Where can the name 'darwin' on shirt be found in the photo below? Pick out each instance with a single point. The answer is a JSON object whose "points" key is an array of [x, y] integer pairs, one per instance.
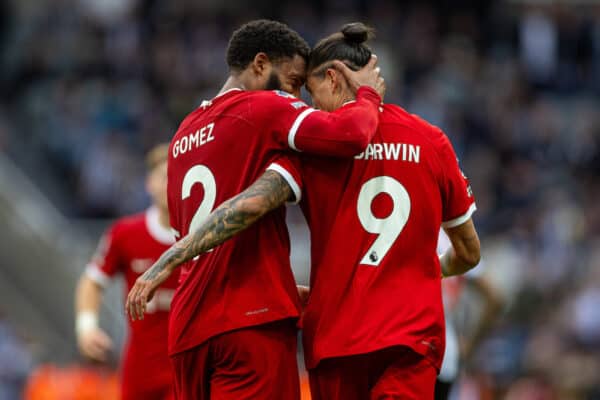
{"points": [[391, 151]]}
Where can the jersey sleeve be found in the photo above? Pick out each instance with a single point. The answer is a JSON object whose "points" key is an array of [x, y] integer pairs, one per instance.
{"points": [[106, 261], [343, 133], [458, 202], [289, 168]]}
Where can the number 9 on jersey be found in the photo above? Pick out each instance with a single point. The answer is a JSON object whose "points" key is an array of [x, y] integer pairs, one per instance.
{"points": [[388, 228]]}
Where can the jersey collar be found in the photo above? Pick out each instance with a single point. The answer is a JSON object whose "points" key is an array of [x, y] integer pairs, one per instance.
{"points": [[156, 230], [208, 103], [235, 89]]}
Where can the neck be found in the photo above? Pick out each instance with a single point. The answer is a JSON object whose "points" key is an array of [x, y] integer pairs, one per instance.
{"points": [[346, 97], [233, 82], [163, 218]]}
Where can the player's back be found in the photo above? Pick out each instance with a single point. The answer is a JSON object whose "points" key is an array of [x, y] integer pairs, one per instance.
{"points": [[218, 151], [374, 224]]}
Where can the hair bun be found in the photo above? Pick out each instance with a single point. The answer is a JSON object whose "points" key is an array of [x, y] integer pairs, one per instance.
{"points": [[357, 32]]}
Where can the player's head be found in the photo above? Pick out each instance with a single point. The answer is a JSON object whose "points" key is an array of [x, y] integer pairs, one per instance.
{"points": [[268, 55], [326, 84], [156, 180]]}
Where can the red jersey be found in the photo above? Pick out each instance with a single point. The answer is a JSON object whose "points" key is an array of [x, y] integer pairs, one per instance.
{"points": [[374, 223], [219, 150], [130, 247]]}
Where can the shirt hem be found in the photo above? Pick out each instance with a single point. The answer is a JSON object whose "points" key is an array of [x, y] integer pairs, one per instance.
{"points": [[425, 351], [186, 346]]}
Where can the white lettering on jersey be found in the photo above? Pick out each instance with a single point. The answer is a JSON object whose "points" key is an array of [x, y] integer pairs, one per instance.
{"points": [[377, 150], [391, 151], [194, 140], [414, 153]]}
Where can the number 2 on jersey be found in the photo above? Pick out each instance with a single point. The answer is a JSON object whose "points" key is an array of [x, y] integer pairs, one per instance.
{"points": [[388, 228], [200, 174]]}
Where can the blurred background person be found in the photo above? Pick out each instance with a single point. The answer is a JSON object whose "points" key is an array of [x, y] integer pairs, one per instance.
{"points": [[129, 248]]}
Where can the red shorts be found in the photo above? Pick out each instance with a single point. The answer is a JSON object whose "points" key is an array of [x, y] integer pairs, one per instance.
{"points": [[252, 363], [392, 373]]}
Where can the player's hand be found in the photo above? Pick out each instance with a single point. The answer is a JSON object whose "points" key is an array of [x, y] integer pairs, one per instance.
{"points": [[369, 75], [303, 293], [143, 291], [94, 344]]}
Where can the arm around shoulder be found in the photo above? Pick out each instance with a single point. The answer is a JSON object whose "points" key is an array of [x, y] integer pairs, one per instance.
{"points": [[344, 133]]}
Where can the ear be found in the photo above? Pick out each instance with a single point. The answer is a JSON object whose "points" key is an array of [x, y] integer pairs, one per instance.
{"points": [[260, 63], [336, 79]]}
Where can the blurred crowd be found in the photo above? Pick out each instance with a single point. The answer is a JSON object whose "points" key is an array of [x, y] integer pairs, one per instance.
{"points": [[16, 361], [88, 86]]}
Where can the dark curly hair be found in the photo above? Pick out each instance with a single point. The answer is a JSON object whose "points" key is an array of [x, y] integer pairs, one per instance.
{"points": [[275, 39], [347, 45]]}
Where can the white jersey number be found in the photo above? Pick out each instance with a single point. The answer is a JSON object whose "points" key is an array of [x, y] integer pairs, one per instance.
{"points": [[203, 175], [387, 228]]}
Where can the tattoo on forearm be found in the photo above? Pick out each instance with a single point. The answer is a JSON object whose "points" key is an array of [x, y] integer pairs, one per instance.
{"points": [[234, 215]]}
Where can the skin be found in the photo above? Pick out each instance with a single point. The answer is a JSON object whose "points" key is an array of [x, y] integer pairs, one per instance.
{"points": [[465, 252], [303, 293], [330, 88], [95, 343], [156, 186], [291, 73], [330, 91]]}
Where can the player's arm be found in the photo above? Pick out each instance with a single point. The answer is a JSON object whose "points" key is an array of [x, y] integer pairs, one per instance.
{"points": [[342, 134], [269, 192], [464, 253], [92, 341], [458, 205], [349, 131]]}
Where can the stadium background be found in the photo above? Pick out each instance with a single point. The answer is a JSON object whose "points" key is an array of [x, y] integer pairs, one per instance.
{"points": [[88, 86]]}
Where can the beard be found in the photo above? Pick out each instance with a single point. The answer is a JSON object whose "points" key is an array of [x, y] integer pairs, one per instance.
{"points": [[273, 83]]}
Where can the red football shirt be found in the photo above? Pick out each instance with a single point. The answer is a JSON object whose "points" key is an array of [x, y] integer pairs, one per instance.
{"points": [[374, 222], [219, 150], [129, 248]]}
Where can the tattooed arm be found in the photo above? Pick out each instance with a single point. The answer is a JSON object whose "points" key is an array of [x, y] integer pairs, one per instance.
{"points": [[233, 216]]}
